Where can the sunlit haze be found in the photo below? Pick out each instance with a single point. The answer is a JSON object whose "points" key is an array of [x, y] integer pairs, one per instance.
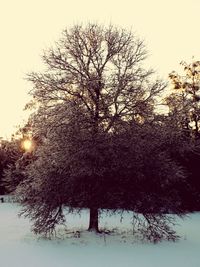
{"points": [[169, 28], [28, 145]]}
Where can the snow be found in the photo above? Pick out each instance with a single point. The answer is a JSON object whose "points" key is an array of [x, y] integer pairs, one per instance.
{"points": [[19, 247]]}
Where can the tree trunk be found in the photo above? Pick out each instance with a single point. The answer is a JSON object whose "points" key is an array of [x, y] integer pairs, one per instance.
{"points": [[94, 218]]}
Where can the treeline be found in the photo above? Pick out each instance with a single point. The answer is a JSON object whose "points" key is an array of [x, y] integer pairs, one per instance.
{"points": [[98, 142]]}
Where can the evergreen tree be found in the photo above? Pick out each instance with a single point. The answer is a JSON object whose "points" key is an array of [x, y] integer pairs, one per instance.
{"points": [[10, 152]]}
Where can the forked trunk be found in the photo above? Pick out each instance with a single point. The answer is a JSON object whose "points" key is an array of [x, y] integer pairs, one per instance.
{"points": [[94, 218]]}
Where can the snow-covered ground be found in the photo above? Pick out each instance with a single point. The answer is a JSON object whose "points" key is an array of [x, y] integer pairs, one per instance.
{"points": [[21, 248]]}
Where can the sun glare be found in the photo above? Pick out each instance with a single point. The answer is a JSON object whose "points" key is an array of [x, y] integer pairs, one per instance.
{"points": [[27, 145]]}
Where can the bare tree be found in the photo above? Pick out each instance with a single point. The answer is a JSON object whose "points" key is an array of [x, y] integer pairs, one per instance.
{"points": [[100, 70]]}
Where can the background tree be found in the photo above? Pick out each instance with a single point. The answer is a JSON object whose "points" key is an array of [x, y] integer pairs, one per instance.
{"points": [[184, 101], [10, 151], [184, 108], [19, 154]]}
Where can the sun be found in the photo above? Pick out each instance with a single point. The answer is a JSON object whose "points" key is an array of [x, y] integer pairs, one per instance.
{"points": [[27, 145]]}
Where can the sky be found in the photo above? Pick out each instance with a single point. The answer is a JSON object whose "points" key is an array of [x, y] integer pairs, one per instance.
{"points": [[169, 28]]}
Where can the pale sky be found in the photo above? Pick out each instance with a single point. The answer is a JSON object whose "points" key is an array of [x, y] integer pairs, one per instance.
{"points": [[171, 30]]}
